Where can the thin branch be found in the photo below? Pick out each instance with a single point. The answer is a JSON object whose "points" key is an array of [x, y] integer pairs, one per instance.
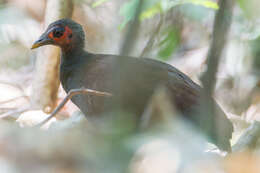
{"points": [[151, 41], [158, 110], [12, 112], [14, 85], [72, 93], [13, 99], [249, 138], [4, 109], [132, 32]]}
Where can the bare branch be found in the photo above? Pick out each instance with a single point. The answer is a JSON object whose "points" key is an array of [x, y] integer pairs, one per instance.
{"points": [[72, 93], [13, 85], [13, 112], [13, 99], [132, 32], [150, 43], [249, 138], [158, 109]]}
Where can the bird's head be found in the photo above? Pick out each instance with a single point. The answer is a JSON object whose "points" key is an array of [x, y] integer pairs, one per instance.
{"points": [[64, 33]]}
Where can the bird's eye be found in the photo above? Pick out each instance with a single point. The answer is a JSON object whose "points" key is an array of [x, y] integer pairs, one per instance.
{"points": [[58, 32]]}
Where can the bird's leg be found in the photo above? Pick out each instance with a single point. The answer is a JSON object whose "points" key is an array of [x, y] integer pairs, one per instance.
{"points": [[70, 94]]}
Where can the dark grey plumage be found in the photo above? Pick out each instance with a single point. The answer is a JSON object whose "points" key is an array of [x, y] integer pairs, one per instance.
{"points": [[139, 79]]}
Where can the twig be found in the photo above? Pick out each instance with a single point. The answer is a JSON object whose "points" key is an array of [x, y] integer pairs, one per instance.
{"points": [[13, 85], [16, 111], [150, 43], [158, 110], [13, 99], [132, 32], [249, 138], [4, 109], [72, 93]]}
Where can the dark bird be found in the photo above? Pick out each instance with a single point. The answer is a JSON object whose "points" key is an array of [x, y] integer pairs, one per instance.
{"points": [[139, 77]]}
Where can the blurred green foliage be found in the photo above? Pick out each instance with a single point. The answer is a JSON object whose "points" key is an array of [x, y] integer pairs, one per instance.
{"points": [[98, 2], [171, 36], [247, 6], [170, 41], [163, 6], [152, 7]]}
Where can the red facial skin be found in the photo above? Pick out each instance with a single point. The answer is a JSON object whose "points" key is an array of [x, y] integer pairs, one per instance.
{"points": [[64, 40]]}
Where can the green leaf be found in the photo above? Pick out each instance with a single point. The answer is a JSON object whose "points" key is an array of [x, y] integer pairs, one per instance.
{"points": [[204, 3], [169, 44], [98, 3], [150, 12]]}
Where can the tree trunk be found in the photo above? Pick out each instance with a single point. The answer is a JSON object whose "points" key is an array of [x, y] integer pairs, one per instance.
{"points": [[46, 79]]}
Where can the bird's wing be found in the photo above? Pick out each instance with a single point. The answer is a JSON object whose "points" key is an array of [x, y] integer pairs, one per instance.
{"points": [[139, 79]]}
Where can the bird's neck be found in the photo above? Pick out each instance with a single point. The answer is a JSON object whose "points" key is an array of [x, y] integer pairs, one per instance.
{"points": [[71, 62], [72, 56]]}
